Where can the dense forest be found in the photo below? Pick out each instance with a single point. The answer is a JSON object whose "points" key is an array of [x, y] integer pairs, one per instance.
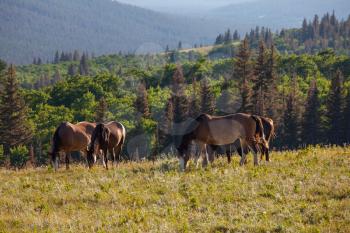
{"points": [[36, 28], [312, 37]]}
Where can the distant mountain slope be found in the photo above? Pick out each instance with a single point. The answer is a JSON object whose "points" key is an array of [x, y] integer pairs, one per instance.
{"points": [[276, 14], [31, 28]]}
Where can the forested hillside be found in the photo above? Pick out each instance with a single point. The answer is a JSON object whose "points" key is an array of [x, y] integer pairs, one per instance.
{"points": [[276, 14], [37, 28]]}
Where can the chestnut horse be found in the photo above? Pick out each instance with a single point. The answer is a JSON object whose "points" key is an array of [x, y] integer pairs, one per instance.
{"points": [[222, 130], [269, 131], [69, 137], [108, 137]]}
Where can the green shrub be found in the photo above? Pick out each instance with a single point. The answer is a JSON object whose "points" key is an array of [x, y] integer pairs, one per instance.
{"points": [[19, 156]]}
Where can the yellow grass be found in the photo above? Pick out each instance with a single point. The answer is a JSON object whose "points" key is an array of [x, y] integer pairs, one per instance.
{"points": [[302, 191]]}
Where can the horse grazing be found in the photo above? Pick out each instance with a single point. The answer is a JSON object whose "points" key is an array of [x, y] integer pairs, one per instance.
{"points": [[108, 137], [69, 137], [222, 130], [269, 132]]}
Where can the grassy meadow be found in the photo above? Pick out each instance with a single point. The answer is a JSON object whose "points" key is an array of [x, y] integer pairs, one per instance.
{"points": [[300, 191]]}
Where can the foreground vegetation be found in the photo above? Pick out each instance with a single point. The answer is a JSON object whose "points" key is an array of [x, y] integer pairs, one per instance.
{"points": [[299, 191]]}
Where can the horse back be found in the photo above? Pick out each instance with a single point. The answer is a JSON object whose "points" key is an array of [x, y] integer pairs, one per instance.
{"points": [[117, 131]]}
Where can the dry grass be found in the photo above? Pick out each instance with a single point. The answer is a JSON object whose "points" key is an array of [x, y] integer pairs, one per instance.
{"points": [[302, 191]]}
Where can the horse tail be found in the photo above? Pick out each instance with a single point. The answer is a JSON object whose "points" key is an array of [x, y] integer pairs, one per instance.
{"points": [[56, 140], [259, 127]]}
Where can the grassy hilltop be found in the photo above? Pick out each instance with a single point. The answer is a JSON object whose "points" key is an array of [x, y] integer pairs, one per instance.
{"points": [[301, 191]]}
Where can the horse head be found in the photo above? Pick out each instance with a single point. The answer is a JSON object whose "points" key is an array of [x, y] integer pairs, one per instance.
{"points": [[99, 140]]}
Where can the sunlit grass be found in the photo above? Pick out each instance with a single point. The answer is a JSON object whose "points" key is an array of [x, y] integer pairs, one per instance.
{"points": [[301, 191]]}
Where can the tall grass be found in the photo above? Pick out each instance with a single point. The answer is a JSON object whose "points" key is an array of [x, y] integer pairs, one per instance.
{"points": [[299, 191]]}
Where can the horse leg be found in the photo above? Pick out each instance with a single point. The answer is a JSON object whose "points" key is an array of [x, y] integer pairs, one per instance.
{"points": [[254, 148], [228, 154], [211, 152], [105, 158], [67, 160], [243, 155], [54, 158], [197, 154], [204, 154]]}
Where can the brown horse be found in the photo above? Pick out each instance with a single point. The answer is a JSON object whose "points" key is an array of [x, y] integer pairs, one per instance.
{"points": [[108, 137], [69, 137], [269, 131], [222, 130]]}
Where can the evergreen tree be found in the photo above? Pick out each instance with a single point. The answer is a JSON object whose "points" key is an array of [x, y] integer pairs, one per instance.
{"points": [[312, 116], [260, 85], [101, 111], [141, 103], [335, 107], [166, 125], [84, 66], [180, 102], [56, 77], [179, 46], [207, 98], [347, 118], [76, 55], [14, 126], [271, 92], [57, 58], [71, 70], [243, 72], [291, 119]]}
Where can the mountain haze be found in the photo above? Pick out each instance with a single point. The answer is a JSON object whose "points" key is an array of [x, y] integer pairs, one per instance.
{"points": [[37, 28]]}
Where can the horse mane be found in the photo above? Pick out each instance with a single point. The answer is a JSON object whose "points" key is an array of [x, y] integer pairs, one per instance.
{"points": [[259, 126], [103, 138], [268, 123]]}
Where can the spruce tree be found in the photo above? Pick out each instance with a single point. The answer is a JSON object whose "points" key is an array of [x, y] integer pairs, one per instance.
{"points": [[141, 103], [166, 125], [207, 98], [335, 107], [14, 125], [84, 66], [194, 107], [259, 82], [57, 58], [243, 72], [180, 102], [291, 119], [271, 92], [312, 116], [71, 70], [101, 111], [347, 118]]}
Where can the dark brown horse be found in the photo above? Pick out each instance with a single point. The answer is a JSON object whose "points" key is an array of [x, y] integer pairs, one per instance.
{"points": [[222, 130], [69, 137], [108, 137], [269, 131]]}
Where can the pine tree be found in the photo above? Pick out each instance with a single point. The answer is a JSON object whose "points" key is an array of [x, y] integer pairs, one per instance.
{"points": [[141, 103], [259, 82], [335, 107], [179, 46], [347, 118], [166, 125], [56, 77], [271, 92], [291, 119], [243, 72], [14, 126], [57, 58], [84, 66], [76, 55], [71, 70], [180, 102], [207, 98], [312, 116], [101, 111]]}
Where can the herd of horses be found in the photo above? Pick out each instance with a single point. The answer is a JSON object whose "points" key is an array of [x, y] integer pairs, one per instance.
{"points": [[247, 132]]}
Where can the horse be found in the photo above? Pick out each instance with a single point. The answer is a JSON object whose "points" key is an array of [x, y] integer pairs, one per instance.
{"points": [[109, 137], [70, 137], [269, 132], [222, 130]]}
